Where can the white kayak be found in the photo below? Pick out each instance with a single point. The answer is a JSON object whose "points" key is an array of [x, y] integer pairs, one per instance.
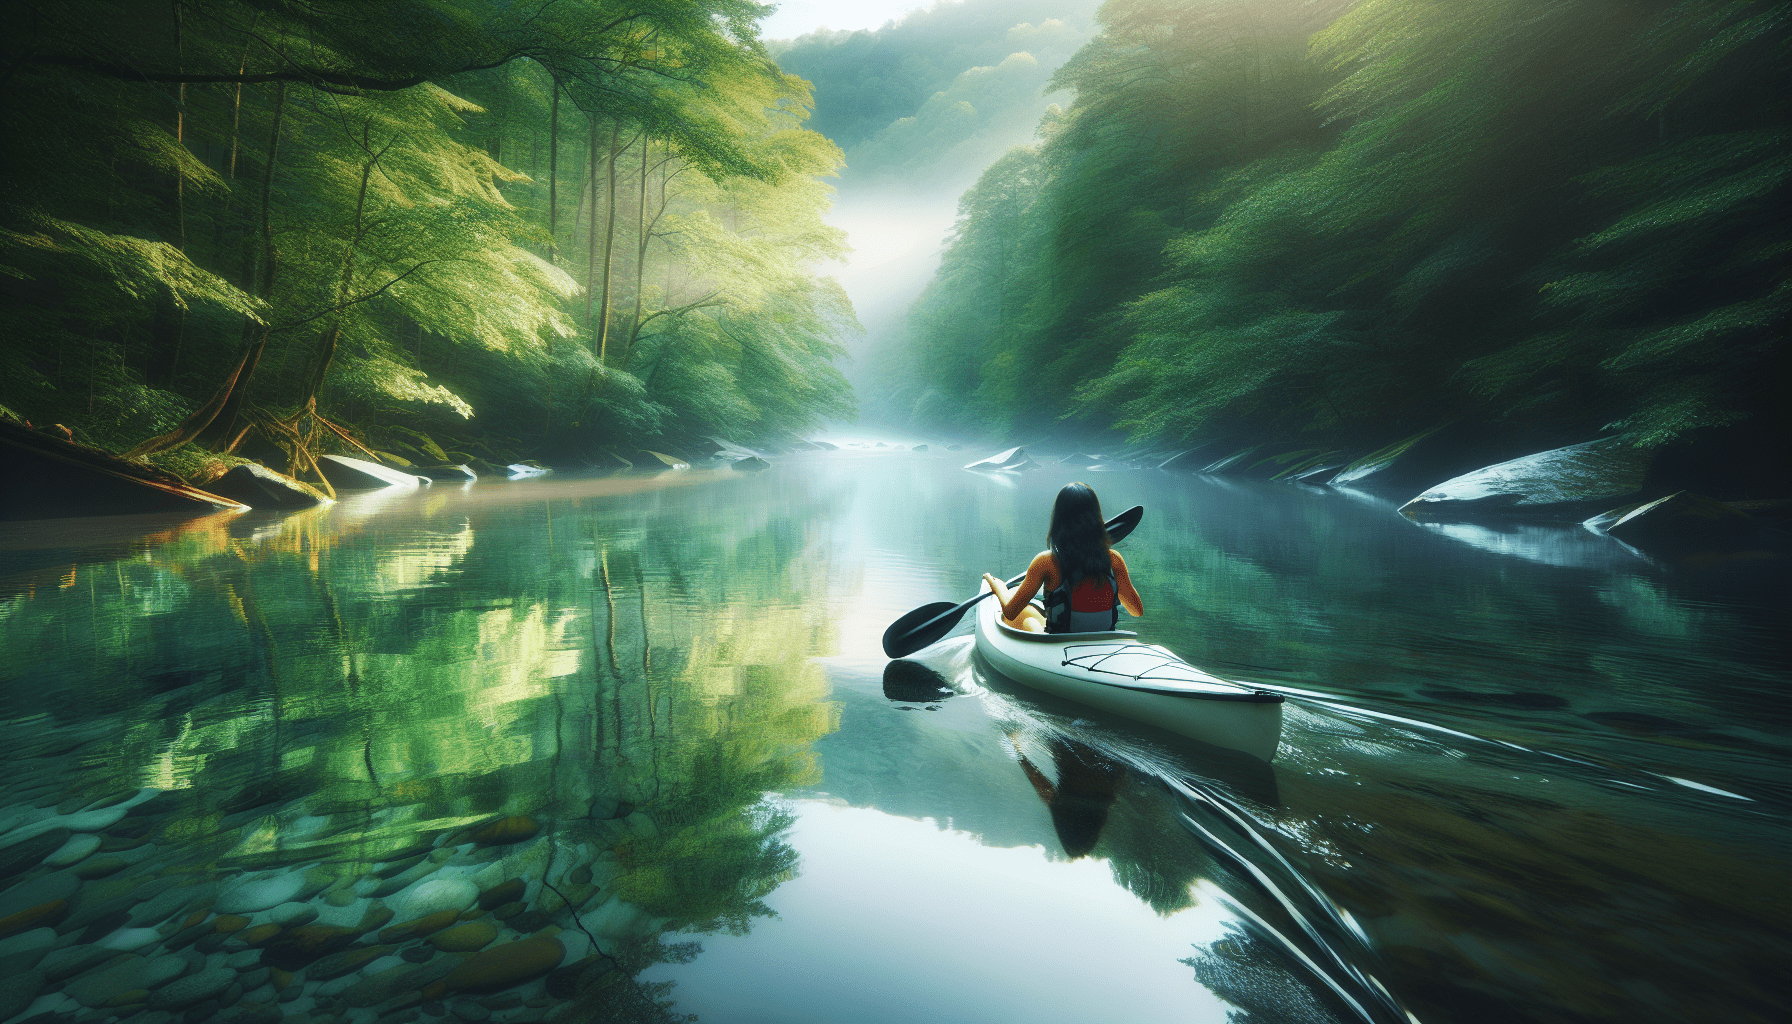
{"points": [[1113, 671]]}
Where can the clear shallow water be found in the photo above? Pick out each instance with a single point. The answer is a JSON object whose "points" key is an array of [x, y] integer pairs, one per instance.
{"points": [[1526, 774]]}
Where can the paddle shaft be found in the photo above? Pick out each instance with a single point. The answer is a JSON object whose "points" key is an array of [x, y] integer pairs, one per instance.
{"points": [[936, 626]]}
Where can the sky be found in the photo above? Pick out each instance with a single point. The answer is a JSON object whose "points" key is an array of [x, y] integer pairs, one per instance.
{"points": [[795, 17]]}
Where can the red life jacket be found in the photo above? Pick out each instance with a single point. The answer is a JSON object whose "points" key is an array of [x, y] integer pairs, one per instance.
{"points": [[1091, 605]]}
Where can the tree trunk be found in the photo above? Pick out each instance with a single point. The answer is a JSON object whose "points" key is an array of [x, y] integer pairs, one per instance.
{"points": [[603, 330], [634, 327], [591, 236], [554, 174]]}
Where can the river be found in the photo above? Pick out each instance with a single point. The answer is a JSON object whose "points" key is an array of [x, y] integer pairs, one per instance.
{"points": [[630, 749]]}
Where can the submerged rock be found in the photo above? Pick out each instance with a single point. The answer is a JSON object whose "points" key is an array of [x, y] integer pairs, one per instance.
{"points": [[458, 473], [1231, 463], [1565, 484], [1192, 460], [750, 464], [1684, 523], [346, 474], [1013, 460], [260, 487]]}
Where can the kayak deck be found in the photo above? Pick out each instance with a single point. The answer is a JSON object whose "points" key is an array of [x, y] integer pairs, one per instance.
{"points": [[1116, 672]]}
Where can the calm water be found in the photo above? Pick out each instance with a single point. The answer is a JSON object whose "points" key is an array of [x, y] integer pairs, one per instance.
{"points": [[1526, 775]]}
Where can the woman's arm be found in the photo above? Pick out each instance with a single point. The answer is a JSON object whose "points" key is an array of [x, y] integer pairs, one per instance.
{"points": [[1129, 598], [1036, 572]]}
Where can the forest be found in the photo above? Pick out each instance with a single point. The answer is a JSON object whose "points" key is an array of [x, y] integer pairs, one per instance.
{"points": [[1278, 220], [239, 229]]}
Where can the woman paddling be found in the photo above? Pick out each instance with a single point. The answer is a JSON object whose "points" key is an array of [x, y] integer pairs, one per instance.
{"points": [[1084, 578]]}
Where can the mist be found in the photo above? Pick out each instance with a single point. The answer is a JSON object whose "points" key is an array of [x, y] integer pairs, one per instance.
{"points": [[921, 105]]}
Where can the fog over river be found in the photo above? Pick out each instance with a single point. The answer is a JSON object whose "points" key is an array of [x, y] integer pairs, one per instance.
{"points": [[632, 742]]}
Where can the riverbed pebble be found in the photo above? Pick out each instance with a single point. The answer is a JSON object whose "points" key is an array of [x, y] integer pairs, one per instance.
{"points": [[35, 892], [437, 894], [293, 914], [255, 894], [126, 975], [194, 988], [74, 851], [465, 938], [127, 940]]}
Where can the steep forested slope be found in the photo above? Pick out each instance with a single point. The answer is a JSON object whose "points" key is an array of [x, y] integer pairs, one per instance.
{"points": [[260, 227], [1274, 217]]}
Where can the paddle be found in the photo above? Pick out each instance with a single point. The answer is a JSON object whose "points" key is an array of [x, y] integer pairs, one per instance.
{"points": [[929, 622]]}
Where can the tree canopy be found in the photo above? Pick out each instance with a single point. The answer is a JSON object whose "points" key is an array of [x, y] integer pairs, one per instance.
{"points": [[1279, 217]]}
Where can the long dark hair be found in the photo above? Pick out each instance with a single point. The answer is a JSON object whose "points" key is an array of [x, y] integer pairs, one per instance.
{"points": [[1078, 536]]}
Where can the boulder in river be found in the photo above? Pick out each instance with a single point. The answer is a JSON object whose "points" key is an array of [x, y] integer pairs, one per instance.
{"points": [[1191, 460], [1272, 467], [525, 470], [47, 477], [1229, 464], [260, 487], [829, 446], [1415, 463], [1317, 475], [346, 474], [916, 448], [647, 461], [750, 464], [1013, 460], [1564, 484], [459, 473], [1684, 523]]}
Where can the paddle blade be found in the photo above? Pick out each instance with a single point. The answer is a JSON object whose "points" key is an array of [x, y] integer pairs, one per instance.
{"points": [[918, 628], [1124, 523]]}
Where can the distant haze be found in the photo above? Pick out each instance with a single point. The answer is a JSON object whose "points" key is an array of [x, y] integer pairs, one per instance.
{"points": [[796, 17]]}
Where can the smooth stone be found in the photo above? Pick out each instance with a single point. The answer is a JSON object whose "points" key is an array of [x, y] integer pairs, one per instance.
{"points": [[506, 830], [72, 960], [418, 954], [614, 920], [376, 917], [530, 921], [293, 914], [19, 991], [35, 939], [507, 891], [204, 1011], [252, 1013], [255, 978], [1565, 484], [341, 897], [420, 927], [127, 940], [580, 875], [31, 917], [28, 852], [253, 895], [92, 821], [465, 938], [346, 962], [388, 985], [500, 967], [74, 851], [244, 960], [126, 975], [469, 1011], [379, 889], [211, 942], [509, 910], [230, 923], [401, 866], [438, 894], [259, 935], [171, 901], [37, 891], [259, 487], [194, 988], [233, 994], [299, 947], [100, 867]]}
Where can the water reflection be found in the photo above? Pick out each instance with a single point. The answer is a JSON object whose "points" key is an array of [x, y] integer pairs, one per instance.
{"points": [[592, 722]]}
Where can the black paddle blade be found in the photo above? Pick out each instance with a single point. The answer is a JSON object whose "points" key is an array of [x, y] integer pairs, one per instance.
{"points": [[1123, 524], [899, 641], [929, 622]]}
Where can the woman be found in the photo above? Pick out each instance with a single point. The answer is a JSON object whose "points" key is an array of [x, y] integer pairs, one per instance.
{"points": [[1084, 579]]}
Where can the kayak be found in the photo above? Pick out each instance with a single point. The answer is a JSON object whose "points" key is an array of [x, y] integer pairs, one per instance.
{"points": [[1113, 671]]}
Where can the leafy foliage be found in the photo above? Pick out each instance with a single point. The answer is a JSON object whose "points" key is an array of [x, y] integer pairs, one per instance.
{"points": [[1363, 218], [366, 207]]}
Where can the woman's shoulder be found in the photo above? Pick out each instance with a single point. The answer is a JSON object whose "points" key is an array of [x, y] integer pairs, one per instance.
{"points": [[1115, 558], [1043, 560]]}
